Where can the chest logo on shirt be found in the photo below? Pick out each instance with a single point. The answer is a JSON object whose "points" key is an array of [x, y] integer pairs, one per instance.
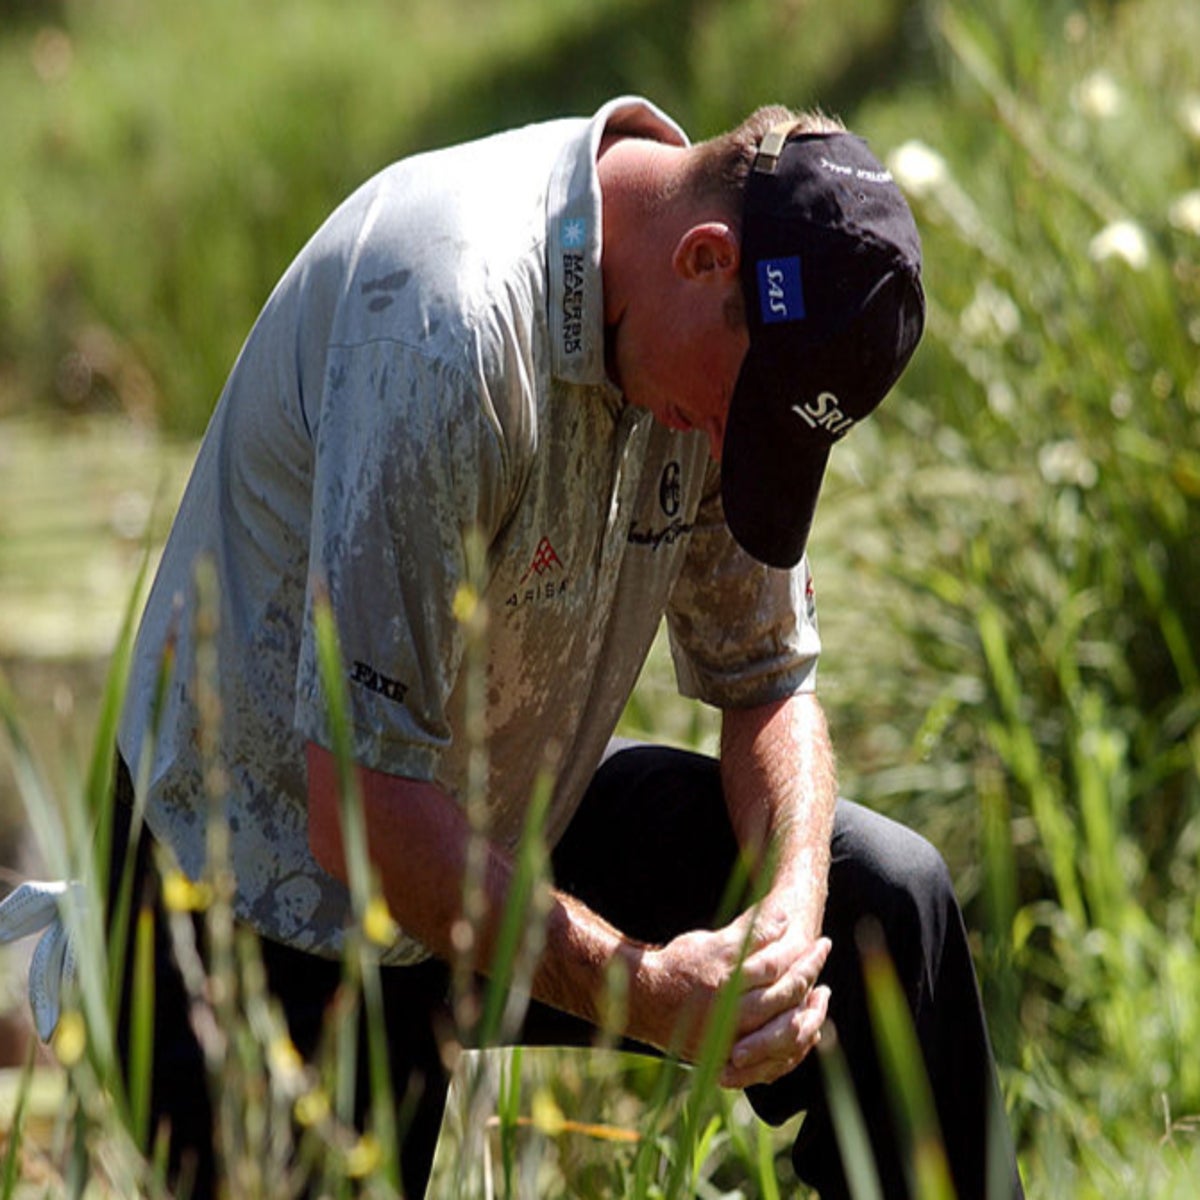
{"points": [[670, 498], [574, 234], [572, 302], [573, 238], [669, 491], [544, 579]]}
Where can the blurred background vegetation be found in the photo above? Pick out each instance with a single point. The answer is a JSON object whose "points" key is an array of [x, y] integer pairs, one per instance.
{"points": [[1008, 557]]}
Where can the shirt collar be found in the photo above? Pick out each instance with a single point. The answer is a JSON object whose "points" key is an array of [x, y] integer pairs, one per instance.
{"points": [[573, 236]]}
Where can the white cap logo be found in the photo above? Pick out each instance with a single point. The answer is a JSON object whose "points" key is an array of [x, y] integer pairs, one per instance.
{"points": [[824, 412]]}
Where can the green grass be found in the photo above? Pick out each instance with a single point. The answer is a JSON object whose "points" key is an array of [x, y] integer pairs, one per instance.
{"points": [[1007, 557]]}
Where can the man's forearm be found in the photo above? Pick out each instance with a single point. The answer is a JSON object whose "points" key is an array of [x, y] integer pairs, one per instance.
{"points": [[420, 840], [779, 777]]}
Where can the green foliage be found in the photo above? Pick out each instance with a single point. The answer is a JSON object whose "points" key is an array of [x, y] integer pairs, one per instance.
{"points": [[1026, 550], [162, 163], [1008, 555]]}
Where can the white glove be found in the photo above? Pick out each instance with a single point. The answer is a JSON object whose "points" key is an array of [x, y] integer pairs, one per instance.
{"points": [[32, 907]]}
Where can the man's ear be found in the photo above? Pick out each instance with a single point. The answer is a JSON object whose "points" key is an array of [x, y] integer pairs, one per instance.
{"points": [[708, 249]]}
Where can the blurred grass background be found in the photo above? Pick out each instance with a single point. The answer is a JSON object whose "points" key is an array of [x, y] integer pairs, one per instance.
{"points": [[1007, 558]]}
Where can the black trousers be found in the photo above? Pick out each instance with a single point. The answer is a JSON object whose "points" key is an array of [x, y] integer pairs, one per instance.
{"points": [[651, 849]]}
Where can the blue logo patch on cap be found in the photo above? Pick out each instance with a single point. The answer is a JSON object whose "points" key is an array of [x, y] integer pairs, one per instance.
{"points": [[780, 292]]}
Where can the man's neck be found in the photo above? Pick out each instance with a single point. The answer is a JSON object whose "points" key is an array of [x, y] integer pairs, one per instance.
{"points": [[640, 188]]}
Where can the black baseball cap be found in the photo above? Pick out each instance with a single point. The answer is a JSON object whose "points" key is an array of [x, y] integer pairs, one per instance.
{"points": [[831, 274]]}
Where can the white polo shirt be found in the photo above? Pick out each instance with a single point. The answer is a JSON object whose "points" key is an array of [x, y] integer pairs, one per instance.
{"points": [[429, 376]]}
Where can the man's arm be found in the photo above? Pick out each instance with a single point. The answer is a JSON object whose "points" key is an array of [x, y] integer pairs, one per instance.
{"points": [[779, 780], [418, 838]]}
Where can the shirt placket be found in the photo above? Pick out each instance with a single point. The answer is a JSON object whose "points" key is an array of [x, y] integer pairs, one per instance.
{"points": [[633, 427]]}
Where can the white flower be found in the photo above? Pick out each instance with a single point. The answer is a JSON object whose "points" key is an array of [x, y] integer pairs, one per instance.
{"points": [[917, 169], [1184, 212], [992, 315], [1001, 398], [1124, 240], [1189, 115], [1098, 96], [1066, 462]]}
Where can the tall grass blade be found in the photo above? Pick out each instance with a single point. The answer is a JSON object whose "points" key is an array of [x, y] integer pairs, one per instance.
{"points": [[15, 1133], [99, 785], [141, 1050], [854, 1145], [510, 1117], [903, 1069], [519, 941], [363, 893]]}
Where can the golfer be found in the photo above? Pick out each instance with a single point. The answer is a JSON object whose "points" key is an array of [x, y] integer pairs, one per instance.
{"points": [[585, 375]]}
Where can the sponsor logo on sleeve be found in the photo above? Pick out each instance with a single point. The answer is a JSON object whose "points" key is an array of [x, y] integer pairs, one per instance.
{"points": [[375, 681]]}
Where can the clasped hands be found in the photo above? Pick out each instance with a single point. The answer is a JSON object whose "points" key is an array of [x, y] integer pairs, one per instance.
{"points": [[780, 1008]]}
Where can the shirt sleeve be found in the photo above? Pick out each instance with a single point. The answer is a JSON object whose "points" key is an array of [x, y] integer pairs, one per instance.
{"points": [[741, 633], [410, 463]]}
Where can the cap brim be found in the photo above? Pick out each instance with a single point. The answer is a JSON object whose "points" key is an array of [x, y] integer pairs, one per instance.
{"points": [[770, 477]]}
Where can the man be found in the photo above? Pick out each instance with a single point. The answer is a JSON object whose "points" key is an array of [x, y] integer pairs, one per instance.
{"points": [[618, 362]]}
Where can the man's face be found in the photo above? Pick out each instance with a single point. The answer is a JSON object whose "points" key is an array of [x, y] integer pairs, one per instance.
{"points": [[679, 354]]}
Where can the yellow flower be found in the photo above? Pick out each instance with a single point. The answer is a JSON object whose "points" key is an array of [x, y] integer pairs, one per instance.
{"points": [[378, 924], [180, 894], [312, 1108], [547, 1116], [466, 602], [70, 1039], [364, 1157], [284, 1058]]}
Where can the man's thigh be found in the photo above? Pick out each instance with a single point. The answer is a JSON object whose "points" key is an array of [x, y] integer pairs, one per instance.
{"points": [[651, 848]]}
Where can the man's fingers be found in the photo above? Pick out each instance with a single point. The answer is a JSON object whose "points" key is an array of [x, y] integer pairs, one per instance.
{"points": [[779, 963], [779, 1046]]}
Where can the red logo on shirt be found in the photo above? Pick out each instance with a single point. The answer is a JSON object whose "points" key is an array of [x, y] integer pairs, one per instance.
{"points": [[544, 559], [545, 562]]}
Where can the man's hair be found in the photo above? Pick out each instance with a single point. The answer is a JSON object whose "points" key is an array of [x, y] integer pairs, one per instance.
{"points": [[719, 166]]}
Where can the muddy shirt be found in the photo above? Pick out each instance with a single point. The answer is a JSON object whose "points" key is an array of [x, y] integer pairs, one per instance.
{"points": [[420, 422]]}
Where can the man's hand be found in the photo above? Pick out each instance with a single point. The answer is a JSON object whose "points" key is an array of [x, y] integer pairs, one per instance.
{"points": [[418, 839], [780, 1009], [780, 786]]}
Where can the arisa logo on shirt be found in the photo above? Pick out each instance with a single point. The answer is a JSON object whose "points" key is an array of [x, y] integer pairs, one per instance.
{"points": [[544, 578], [780, 290]]}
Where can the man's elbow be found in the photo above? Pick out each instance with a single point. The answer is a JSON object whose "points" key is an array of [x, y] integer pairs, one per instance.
{"points": [[324, 820]]}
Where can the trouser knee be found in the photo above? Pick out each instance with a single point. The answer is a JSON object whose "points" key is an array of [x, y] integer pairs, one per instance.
{"points": [[886, 877]]}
